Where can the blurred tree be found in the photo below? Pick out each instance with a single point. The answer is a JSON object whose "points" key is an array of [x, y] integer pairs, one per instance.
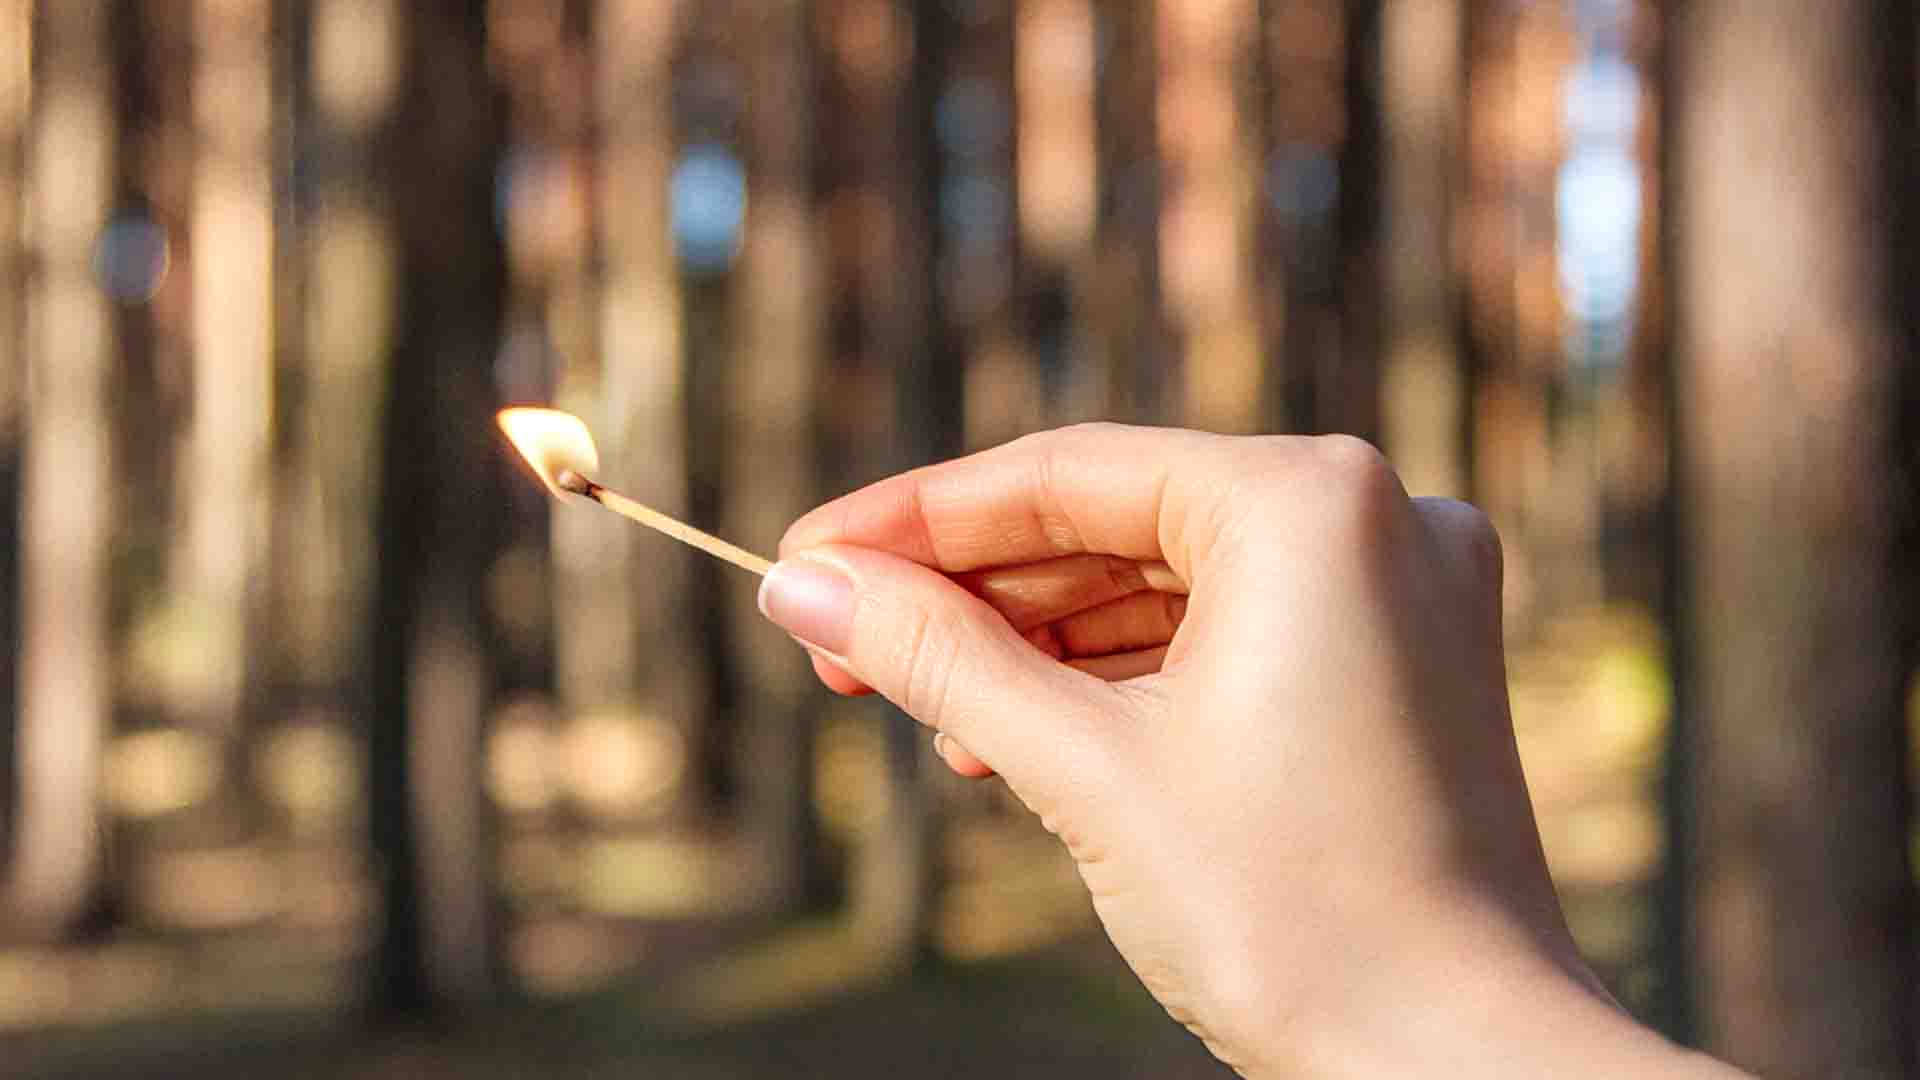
{"points": [[1791, 157], [1056, 60], [649, 610], [1320, 208], [221, 517], [980, 379], [1634, 439], [1349, 396], [439, 524], [1517, 57], [341, 275], [16, 97], [66, 486], [879, 307], [1206, 52], [1128, 313], [766, 427], [1423, 387]]}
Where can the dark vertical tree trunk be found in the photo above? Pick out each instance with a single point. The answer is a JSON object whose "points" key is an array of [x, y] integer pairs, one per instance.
{"points": [[1316, 209], [984, 272], [928, 400], [877, 317], [766, 425], [1128, 315], [1350, 395], [1056, 185], [16, 97], [339, 334], [1789, 346], [960, 97], [438, 522]]}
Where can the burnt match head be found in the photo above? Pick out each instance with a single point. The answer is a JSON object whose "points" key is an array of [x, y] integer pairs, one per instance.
{"points": [[568, 480]]}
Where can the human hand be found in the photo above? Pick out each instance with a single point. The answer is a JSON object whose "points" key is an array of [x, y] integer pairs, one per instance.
{"points": [[1294, 795]]}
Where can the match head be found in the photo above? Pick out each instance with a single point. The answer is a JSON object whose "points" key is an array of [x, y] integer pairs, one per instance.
{"points": [[556, 445], [568, 480]]}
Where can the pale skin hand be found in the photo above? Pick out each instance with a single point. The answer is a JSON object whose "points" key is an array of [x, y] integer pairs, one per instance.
{"points": [[1294, 796]]}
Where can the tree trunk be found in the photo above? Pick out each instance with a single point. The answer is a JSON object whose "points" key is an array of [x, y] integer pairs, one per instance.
{"points": [[66, 487], [441, 489], [1129, 315], [345, 275], [878, 317], [1423, 385], [1207, 142], [1056, 180], [641, 649], [1349, 396], [16, 97], [766, 423], [223, 471], [1788, 354]]}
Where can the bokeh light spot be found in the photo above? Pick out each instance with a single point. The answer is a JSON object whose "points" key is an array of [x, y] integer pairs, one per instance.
{"points": [[131, 257], [709, 207]]}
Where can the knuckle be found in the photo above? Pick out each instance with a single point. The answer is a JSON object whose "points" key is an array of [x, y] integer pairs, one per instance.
{"points": [[1087, 428], [1072, 435], [1254, 469], [1474, 533], [1351, 458], [1364, 499], [1483, 541]]}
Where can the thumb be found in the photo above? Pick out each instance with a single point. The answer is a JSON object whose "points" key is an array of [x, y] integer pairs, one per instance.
{"points": [[948, 659]]}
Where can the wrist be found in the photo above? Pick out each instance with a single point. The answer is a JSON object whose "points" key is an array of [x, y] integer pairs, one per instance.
{"points": [[1477, 1005]]}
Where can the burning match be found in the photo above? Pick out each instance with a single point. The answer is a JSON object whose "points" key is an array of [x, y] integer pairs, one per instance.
{"points": [[561, 451]]}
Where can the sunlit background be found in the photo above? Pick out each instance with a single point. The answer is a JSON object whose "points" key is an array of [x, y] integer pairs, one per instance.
{"points": [[331, 747]]}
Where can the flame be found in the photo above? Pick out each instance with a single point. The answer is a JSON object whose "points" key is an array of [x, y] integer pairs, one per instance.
{"points": [[551, 441]]}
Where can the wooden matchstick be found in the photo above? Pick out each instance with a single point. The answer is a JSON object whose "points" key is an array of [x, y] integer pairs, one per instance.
{"points": [[1158, 575], [653, 519]]}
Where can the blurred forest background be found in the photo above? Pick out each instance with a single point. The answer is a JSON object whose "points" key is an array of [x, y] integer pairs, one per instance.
{"points": [[329, 747]]}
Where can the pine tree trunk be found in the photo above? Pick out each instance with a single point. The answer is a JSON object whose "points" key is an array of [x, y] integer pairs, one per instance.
{"points": [[876, 79], [1128, 311], [16, 97], [1423, 384], [344, 307], [441, 488], [223, 472], [1211, 178], [767, 427], [1788, 354], [64, 694], [1056, 181]]}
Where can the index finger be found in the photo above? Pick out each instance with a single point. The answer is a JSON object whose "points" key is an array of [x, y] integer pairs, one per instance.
{"points": [[1098, 488]]}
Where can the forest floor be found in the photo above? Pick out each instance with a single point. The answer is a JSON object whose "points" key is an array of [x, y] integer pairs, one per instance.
{"points": [[1068, 1011], [1590, 704]]}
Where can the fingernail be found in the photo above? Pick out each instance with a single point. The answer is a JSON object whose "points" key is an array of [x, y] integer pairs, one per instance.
{"points": [[940, 744], [811, 601]]}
